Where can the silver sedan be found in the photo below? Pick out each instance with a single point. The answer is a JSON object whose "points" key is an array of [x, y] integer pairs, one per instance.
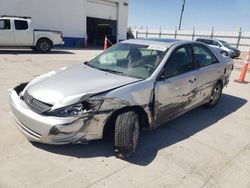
{"points": [[134, 85]]}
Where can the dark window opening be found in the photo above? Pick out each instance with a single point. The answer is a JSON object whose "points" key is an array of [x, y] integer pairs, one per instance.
{"points": [[203, 57], [180, 62], [21, 25]]}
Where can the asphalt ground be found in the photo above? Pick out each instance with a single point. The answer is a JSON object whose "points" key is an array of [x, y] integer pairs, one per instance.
{"points": [[202, 148]]}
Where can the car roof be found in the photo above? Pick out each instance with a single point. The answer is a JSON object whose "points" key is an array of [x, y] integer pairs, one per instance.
{"points": [[14, 17], [165, 42], [213, 39]]}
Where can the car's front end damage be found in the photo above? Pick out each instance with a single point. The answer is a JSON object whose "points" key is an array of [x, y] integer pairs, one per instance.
{"points": [[80, 124], [76, 117]]}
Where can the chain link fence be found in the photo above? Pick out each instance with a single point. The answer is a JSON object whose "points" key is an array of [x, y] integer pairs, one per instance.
{"points": [[239, 39]]}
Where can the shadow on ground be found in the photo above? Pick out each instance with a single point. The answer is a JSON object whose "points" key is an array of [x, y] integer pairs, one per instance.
{"points": [[152, 141], [31, 52]]}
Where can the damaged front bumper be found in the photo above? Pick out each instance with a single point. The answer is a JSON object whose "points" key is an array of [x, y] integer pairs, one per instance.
{"points": [[55, 130]]}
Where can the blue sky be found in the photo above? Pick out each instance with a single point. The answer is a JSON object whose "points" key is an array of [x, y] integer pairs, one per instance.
{"points": [[228, 15]]}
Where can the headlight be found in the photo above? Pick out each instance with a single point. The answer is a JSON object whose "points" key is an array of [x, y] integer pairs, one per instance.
{"points": [[77, 109]]}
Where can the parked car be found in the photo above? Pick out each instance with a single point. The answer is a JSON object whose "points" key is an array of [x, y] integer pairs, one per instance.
{"points": [[222, 46], [18, 32], [135, 84]]}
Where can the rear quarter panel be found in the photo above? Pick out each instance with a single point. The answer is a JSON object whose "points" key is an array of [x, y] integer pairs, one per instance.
{"points": [[53, 36], [227, 63]]}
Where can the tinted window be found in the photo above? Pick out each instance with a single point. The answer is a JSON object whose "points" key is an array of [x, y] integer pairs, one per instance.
{"points": [[180, 62], [203, 57], [4, 24], [215, 43], [21, 25]]}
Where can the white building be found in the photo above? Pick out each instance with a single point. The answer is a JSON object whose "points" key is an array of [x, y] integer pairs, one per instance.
{"points": [[75, 18]]}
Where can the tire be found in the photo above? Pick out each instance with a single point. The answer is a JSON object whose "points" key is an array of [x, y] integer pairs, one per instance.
{"points": [[215, 96], [44, 45], [33, 48], [126, 134]]}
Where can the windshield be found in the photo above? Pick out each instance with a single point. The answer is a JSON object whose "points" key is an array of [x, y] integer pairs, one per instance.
{"points": [[132, 60], [224, 43]]}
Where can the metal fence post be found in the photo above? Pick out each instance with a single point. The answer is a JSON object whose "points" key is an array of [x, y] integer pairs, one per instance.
{"points": [[175, 33], [136, 36], [212, 33], [239, 37], [146, 32], [160, 33], [193, 33]]}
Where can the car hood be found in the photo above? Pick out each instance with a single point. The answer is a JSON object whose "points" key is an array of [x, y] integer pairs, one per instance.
{"points": [[69, 85]]}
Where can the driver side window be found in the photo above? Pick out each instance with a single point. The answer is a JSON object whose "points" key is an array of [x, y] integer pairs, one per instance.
{"points": [[179, 62]]}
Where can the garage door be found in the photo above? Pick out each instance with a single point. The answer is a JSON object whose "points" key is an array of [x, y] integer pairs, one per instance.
{"points": [[102, 9]]}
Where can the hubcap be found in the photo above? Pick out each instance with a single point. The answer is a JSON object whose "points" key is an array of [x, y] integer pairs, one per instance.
{"points": [[216, 95], [44, 46]]}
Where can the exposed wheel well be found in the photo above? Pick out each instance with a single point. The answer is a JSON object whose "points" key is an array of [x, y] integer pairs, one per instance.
{"points": [[110, 123]]}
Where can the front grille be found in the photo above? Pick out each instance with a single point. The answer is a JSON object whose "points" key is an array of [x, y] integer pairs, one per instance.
{"points": [[36, 105]]}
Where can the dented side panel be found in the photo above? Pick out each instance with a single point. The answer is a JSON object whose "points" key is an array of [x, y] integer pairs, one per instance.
{"points": [[174, 95]]}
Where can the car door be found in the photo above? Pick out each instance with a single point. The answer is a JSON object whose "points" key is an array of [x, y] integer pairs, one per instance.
{"points": [[23, 33], [176, 86], [209, 70], [6, 33]]}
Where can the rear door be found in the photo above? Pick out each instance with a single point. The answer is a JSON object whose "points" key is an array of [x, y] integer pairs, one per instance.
{"points": [[6, 33], [176, 87], [209, 70], [23, 33]]}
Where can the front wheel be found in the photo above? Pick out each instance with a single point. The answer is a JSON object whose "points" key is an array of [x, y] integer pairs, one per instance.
{"points": [[126, 134], [44, 45], [215, 96]]}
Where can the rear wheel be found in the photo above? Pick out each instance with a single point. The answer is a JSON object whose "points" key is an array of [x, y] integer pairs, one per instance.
{"points": [[215, 96], [126, 134], [44, 45]]}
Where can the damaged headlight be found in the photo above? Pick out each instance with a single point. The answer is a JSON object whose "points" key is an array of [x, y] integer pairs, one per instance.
{"points": [[77, 109]]}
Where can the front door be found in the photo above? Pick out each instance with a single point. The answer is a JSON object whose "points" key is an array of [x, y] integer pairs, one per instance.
{"points": [[6, 33], [23, 33], [176, 88]]}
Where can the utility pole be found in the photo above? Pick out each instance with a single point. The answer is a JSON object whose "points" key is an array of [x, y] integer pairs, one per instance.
{"points": [[182, 10]]}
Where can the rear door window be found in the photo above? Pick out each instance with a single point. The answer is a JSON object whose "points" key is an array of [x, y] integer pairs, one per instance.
{"points": [[215, 43], [4, 24], [179, 62], [203, 56], [21, 25]]}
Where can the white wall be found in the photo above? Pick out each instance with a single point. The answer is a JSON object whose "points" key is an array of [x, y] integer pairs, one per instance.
{"points": [[68, 16], [64, 15], [122, 20]]}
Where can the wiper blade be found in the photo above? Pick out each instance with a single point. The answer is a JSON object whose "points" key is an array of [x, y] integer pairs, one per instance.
{"points": [[111, 71], [87, 63]]}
